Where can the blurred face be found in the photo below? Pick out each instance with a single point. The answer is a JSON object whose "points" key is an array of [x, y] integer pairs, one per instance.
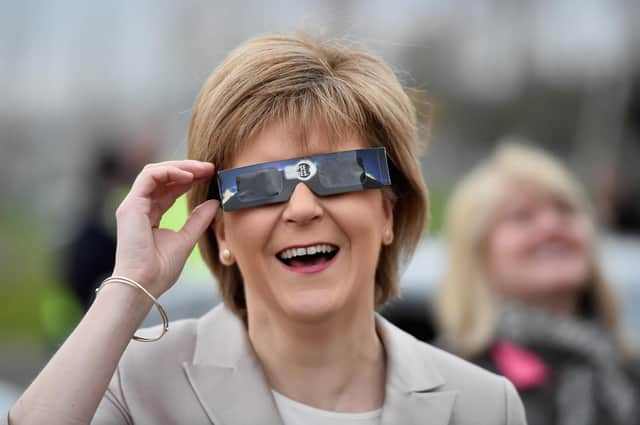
{"points": [[312, 256], [538, 248]]}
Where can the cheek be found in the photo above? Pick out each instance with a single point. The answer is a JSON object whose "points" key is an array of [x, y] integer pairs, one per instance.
{"points": [[247, 231], [507, 263], [362, 218], [366, 241], [506, 244], [582, 234]]}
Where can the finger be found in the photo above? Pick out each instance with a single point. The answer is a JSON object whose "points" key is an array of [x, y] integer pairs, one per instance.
{"points": [[199, 220], [152, 178], [164, 197], [171, 193], [200, 170], [197, 168]]}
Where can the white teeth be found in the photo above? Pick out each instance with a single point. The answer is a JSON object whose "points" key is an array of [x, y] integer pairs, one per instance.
{"points": [[310, 250]]}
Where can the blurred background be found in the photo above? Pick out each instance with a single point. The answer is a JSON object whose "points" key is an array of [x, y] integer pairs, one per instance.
{"points": [[91, 91]]}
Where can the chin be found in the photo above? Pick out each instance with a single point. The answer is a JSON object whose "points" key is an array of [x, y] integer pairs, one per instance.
{"points": [[311, 307], [562, 281], [565, 274]]}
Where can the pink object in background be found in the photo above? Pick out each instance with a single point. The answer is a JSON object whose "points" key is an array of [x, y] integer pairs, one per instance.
{"points": [[522, 367]]}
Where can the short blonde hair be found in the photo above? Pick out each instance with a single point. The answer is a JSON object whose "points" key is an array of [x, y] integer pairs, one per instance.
{"points": [[466, 303], [303, 82]]}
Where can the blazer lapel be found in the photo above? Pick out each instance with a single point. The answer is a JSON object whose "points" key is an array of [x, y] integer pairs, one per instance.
{"points": [[228, 380], [433, 408], [412, 390]]}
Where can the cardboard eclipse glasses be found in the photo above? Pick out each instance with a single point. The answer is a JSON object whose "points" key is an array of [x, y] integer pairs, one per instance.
{"points": [[327, 174]]}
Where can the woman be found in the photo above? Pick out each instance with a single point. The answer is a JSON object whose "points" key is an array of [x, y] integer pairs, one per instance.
{"points": [[306, 248], [525, 296]]}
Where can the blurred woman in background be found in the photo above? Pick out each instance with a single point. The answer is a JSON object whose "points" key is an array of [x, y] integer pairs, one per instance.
{"points": [[525, 296]]}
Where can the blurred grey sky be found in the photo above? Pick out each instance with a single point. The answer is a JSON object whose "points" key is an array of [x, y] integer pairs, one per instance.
{"points": [[65, 54]]}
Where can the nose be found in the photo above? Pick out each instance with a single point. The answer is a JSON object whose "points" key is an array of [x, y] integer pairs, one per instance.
{"points": [[550, 219], [303, 206]]}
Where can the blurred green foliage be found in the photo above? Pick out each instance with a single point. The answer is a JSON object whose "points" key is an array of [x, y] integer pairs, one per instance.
{"points": [[35, 305], [437, 200], [174, 219]]}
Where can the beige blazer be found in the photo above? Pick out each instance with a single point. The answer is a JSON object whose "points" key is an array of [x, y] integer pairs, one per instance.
{"points": [[205, 372]]}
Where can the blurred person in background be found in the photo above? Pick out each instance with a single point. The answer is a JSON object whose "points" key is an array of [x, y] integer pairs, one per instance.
{"points": [[89, 257], [291, 120], [524, 294]]}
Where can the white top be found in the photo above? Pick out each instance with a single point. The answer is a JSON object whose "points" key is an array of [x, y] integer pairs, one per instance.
{"points": [[295, 413]]}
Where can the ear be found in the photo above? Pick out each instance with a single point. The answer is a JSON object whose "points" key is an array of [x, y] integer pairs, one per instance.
{"points": [[388, 204]]}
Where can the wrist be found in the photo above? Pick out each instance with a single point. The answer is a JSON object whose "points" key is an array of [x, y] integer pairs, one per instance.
{"points": [[125, 294], [132, 301], [149, 281]]}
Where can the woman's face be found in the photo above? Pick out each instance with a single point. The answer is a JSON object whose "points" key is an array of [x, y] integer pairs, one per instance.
{"points": [[352, 226], [538, 248]]}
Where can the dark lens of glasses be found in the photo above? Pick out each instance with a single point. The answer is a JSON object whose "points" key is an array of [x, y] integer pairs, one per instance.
{"points": [[343, 171], [259, 185]]}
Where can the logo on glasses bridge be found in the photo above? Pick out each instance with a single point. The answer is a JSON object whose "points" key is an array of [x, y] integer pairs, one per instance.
{"points": [[303, 170]]}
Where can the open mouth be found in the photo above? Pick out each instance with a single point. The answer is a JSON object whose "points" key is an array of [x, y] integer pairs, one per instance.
{"points": [[311, 255]]}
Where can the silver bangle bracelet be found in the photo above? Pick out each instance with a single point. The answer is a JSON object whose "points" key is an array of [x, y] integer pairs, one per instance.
{"points": [[163, 313]]}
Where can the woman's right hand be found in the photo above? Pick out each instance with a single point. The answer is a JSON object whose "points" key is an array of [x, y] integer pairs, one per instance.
{"points": [[152, 256], [69, 389]]}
